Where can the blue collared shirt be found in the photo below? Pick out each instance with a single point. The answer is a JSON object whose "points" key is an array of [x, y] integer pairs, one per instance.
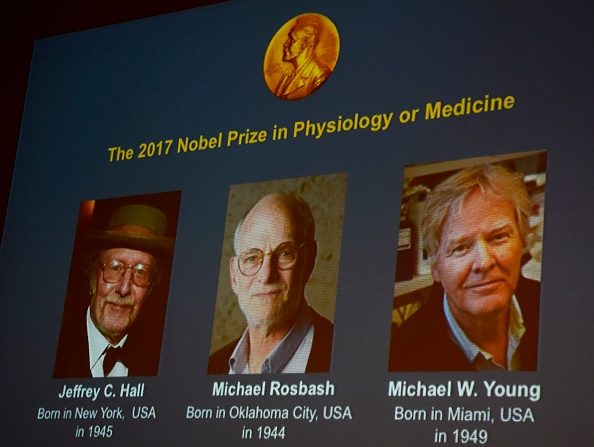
{"points": [[289, 356], [483, 360]]}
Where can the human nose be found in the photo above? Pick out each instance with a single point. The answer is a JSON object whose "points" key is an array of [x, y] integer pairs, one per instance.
{"points": [[125, 283], [483, 260], [267, 271]]}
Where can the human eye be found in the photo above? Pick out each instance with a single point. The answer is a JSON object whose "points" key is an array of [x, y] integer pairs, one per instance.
{"points": [[250, 258], [115, 266], [285, 252], [500, 237], [141, 271], [459, 249]]}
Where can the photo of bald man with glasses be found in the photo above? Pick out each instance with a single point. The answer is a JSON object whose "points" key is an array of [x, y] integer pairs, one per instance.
{"points": [[275, 251], [103, 335]]}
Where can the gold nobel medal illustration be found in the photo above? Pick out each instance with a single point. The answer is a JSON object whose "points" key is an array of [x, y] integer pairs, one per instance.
{"points": [[301, 56]]}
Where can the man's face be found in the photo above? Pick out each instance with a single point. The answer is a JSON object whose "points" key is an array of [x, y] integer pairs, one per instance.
{"points": [[271, 298], [293, 47], [115, 306], [478, 261]]}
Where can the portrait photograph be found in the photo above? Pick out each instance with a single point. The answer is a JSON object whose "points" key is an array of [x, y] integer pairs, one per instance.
{"points": [[468, 265], [114, 310], [274, 310]]}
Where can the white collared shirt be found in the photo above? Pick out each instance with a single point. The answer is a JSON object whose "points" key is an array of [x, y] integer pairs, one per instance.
{"points": [[98, 345]]}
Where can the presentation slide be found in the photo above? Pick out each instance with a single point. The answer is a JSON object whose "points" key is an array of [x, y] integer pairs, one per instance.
{"points": [[305, 223]]}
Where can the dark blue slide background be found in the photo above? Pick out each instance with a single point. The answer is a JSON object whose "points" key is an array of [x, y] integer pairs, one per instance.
{"points": [[199, 72]]}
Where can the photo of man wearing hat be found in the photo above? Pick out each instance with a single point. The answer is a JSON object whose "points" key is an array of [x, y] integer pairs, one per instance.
{"points": [[102, 335]]}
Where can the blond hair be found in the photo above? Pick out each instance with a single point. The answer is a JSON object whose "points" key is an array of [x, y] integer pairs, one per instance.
{"points": [[450, 195]]}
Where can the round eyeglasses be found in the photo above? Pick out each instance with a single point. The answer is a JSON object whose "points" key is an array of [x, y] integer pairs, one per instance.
{"points": [[114, 271], [285, 255]]}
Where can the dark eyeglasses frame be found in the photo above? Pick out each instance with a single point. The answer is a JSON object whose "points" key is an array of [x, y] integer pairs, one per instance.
{"points": [[271, 253], [104, 265]]}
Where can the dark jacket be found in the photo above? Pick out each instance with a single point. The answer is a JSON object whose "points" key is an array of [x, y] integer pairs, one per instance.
{"points": [[142, 349], [319, 356], [424, 341]]}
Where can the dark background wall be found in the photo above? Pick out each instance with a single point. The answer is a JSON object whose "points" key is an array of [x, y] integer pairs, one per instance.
{"points": [[28, 20]]}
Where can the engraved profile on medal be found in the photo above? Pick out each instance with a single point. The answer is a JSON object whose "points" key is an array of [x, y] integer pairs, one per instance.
{"points": [[301, 56]]}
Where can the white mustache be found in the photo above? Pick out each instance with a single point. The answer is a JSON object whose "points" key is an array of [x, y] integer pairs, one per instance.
{"points": [[118, 301]]}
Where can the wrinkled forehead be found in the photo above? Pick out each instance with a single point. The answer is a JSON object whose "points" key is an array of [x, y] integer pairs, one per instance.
{"points": [[267, 225], [126, 255], [479, 209], [482, 198]]}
